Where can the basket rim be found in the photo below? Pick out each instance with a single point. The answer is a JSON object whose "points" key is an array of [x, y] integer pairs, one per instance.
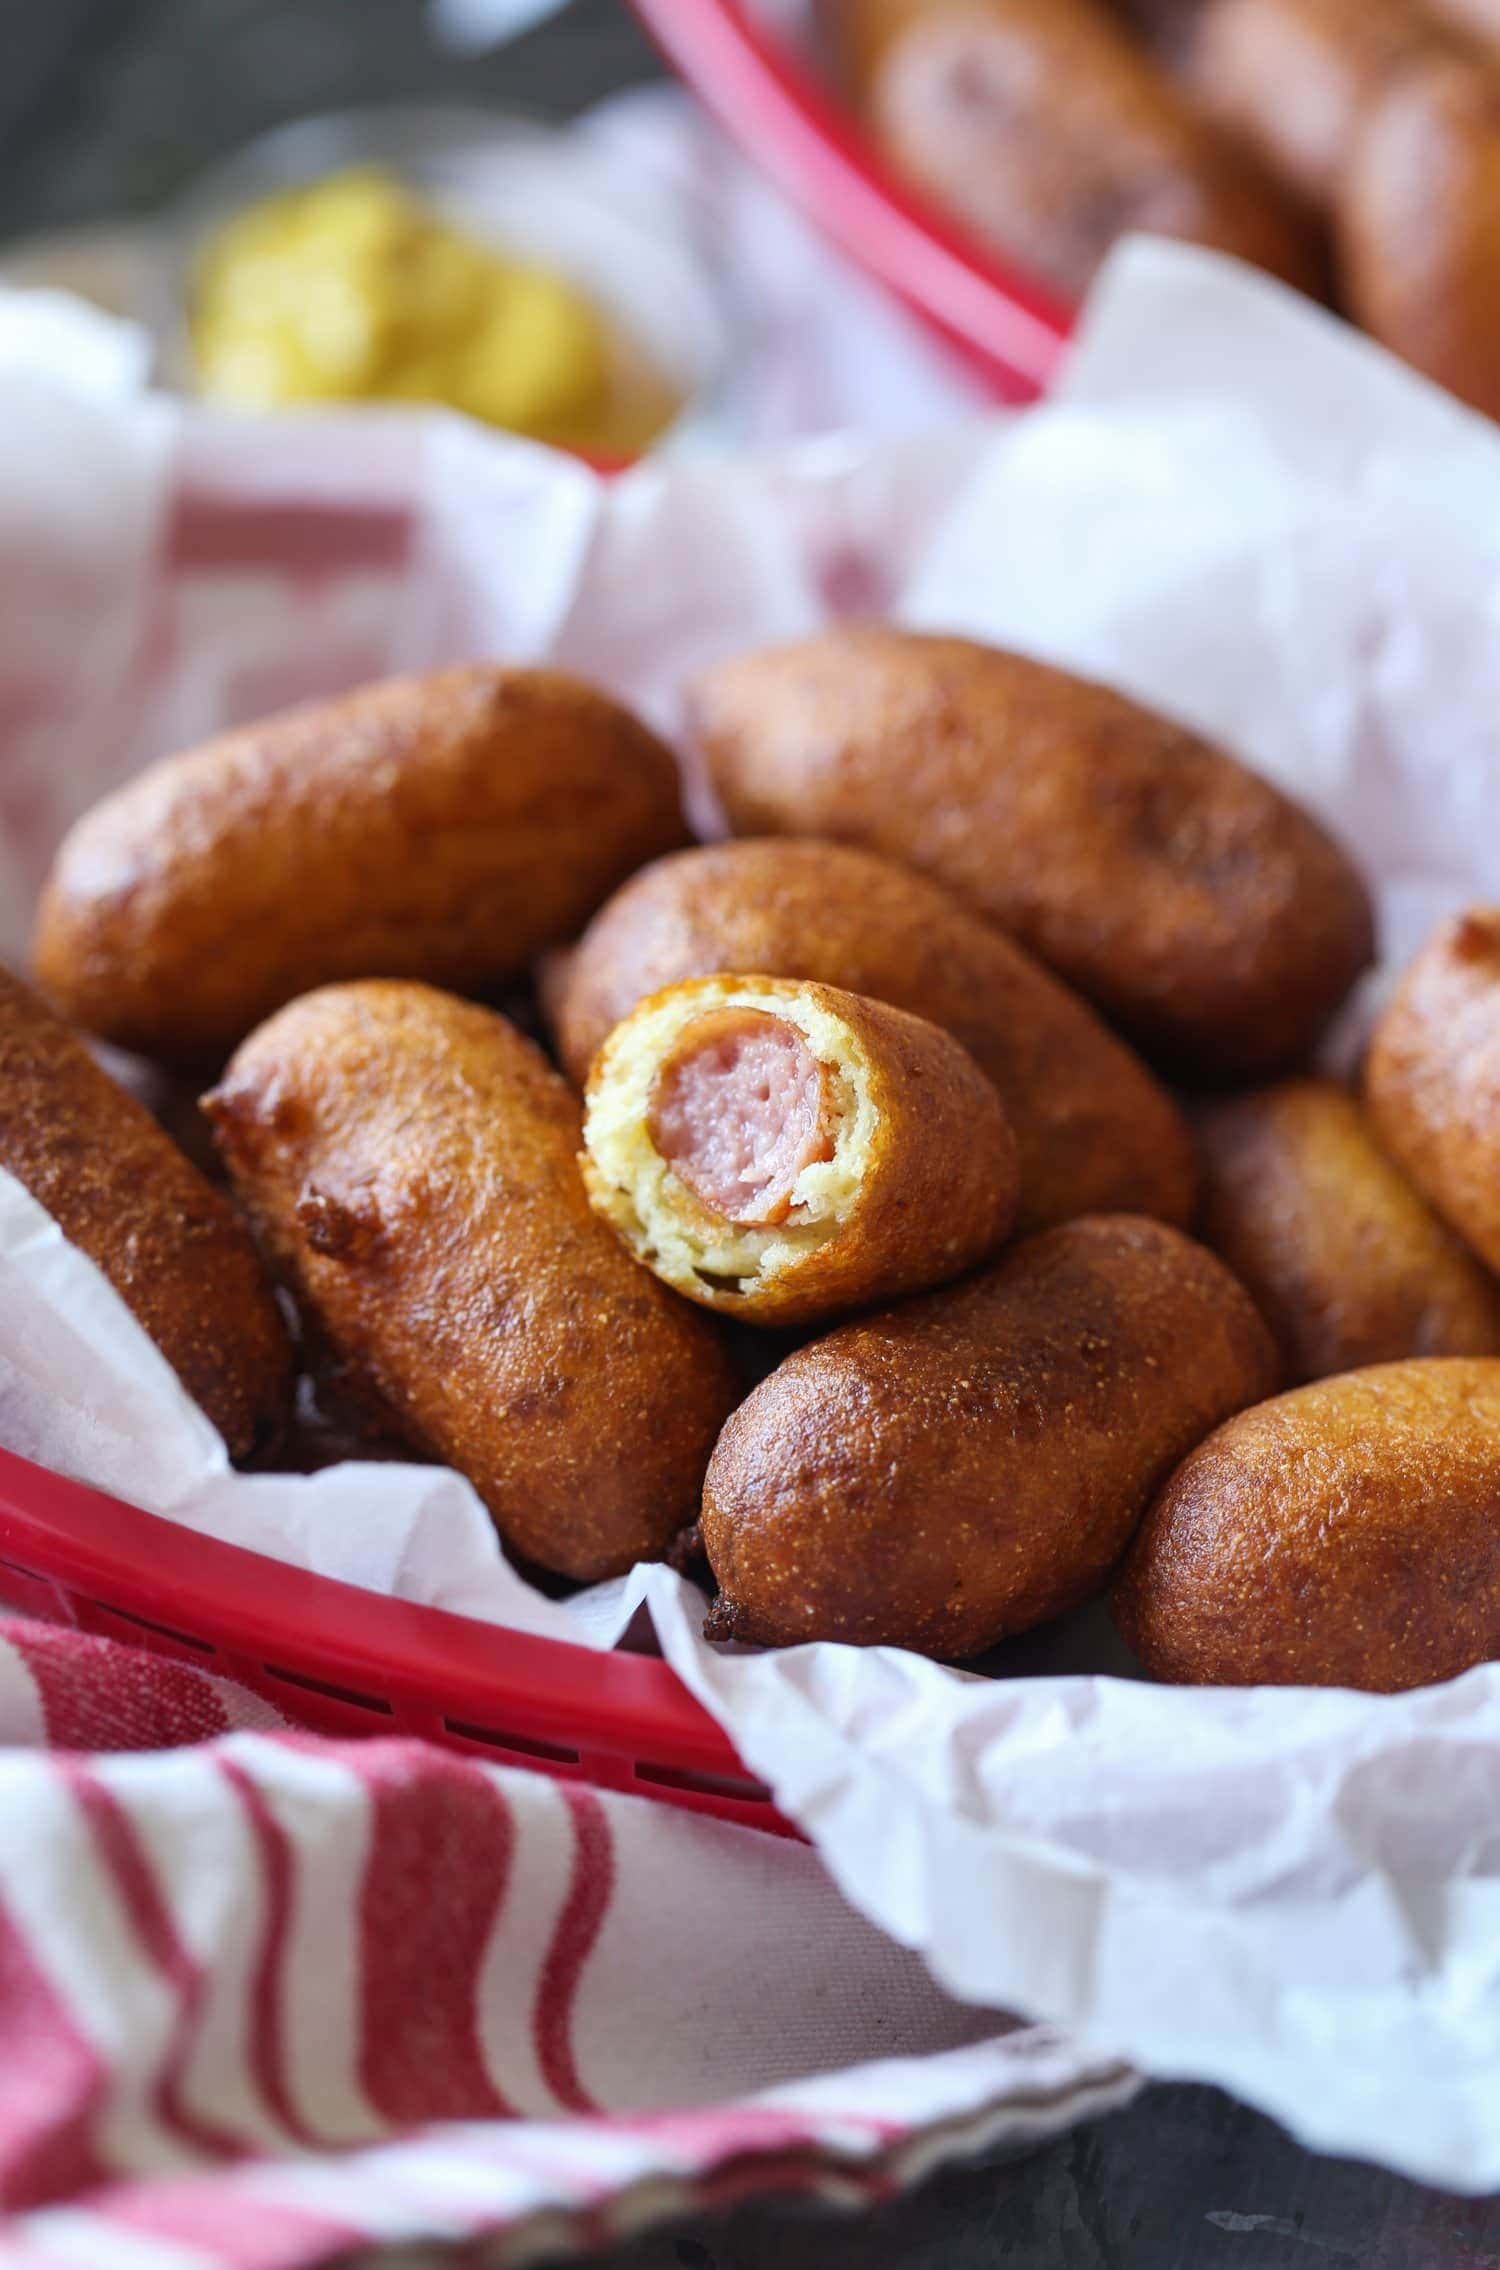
{"points": [[254, 1618], [1011, 330]]}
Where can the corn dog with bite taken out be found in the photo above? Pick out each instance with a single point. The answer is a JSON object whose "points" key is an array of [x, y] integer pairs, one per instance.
{"points": [[784, 1151]]}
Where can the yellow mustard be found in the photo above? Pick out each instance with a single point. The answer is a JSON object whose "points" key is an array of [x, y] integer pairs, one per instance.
{"points": [[354, 290]]}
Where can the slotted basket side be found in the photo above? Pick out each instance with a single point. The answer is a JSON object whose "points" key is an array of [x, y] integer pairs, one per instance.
{"points": [[348, 1662]]}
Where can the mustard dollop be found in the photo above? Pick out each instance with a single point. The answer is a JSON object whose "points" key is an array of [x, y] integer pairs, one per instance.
{"points": [[353, 289]]}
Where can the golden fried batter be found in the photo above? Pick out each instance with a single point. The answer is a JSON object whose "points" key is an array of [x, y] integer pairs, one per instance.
{"points": [[1480, 19], [785, 1152], [1347, 1535], [1295, 78], [1094, 1131], [121, 1191], [1432, 1077], [1046, 130], [961, 1467], [1419, 224], [1345, 1262], [1208, 914], [411, 1161], [446, 827]]}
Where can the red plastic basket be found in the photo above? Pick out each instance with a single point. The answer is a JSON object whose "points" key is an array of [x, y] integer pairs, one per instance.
{"points": [[349, 1662], [1011, 330]]}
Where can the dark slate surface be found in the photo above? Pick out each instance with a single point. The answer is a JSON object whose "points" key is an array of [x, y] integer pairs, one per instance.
{"points": [[112, 105]]}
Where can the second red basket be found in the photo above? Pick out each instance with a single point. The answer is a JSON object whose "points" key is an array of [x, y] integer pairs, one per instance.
{"points": [[1011, 330]]}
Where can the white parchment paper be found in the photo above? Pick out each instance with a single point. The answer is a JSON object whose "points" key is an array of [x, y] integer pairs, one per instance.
{"points": [[1233, 508]]}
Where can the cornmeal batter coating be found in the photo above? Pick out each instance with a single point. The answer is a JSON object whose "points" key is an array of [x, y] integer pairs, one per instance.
{"points": [[966, 1465], [446, 828], [171, 1245], [1095, 1132], [1345, 1261], [785, 1152], [1346, 1535], [1196, 905], [1432, 1077], [412, 1163]]}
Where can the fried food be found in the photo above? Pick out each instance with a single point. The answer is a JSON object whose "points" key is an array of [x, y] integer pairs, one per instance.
{"points": [[1347, 1535], [785, 1152], [1295, 78], [966, 1465], [1094, 1131], [1200, 908], [411, 1162], [1432, 1077], [1346, 1263], [1164, 25], [1478, 19], [1419, 224], [1047, 131], [172, 1247], [857, 35], [446, 827]]}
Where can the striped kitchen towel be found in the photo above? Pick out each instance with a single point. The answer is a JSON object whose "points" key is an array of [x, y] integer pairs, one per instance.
{"points": [[266, 1998]]}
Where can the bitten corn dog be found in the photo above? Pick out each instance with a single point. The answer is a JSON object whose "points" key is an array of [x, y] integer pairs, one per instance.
{"points": [[784, 1151], [1095, 1133]]}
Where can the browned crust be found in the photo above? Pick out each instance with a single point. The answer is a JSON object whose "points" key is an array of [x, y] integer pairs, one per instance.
{"points": [[1347, 1535], [1344, 1260], [857, 35], [410, 1159], [972, 1463], [171, 1245], [854, 36], [1049, 132], [1419, 224], [1295, 78], [444, 827], [1205, 912], [1480, 19], [938, 1193], [1095, 1133], [1432, 1077]]}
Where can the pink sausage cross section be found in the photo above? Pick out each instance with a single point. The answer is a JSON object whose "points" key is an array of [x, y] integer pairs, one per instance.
{"points": [[738, 1110]]}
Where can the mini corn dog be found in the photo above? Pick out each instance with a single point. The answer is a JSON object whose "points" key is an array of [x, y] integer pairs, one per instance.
{"points": [[1203, 910], [445, 827], [411, 1161], [171, 1245], [1049, 132], [942, 1473], [784, 1151], [1344, 1260], [1432, 1077], [1419, 224], [1345, 1535], [1295, 78], [1095, 1133]]}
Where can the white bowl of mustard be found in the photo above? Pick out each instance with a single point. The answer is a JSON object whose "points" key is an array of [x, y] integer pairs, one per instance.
{"points": [[487, 264]]}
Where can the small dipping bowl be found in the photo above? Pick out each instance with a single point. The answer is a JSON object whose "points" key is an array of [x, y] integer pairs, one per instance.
{"points": [[549, 197]]}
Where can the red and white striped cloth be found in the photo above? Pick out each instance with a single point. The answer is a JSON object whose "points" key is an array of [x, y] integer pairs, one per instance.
{"points": [[266, 1998]]}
